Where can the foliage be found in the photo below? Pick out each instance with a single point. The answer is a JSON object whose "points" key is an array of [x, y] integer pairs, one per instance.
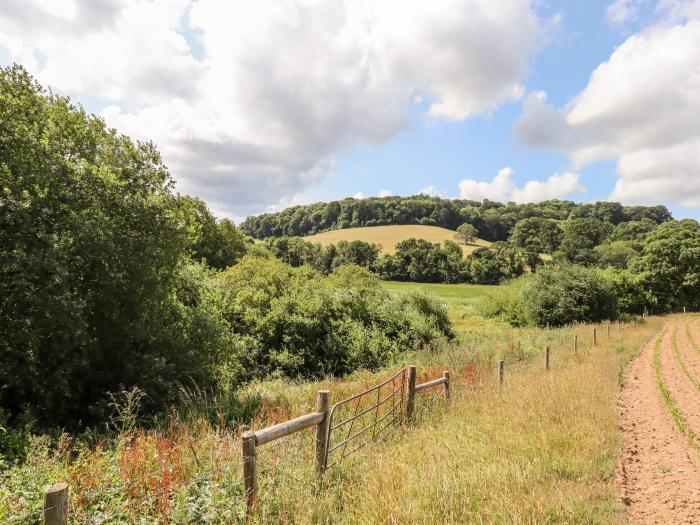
{"points": [[217, 242], [561, 294], [494, 221], [632, 295], [580, 237], [296, 252], [93, 275], [537, 235], [617, 253], [466, 233], [669, 265], [293, 322]]}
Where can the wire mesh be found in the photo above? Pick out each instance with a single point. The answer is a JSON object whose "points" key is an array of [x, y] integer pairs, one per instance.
{"points": [[364, 417]]}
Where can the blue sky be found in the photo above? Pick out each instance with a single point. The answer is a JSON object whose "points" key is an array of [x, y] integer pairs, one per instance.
{"points": [[256, 107], [443, 153]]}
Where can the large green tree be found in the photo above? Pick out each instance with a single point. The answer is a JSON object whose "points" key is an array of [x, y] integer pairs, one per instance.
{"points": [[580, 238], [91, 239], [669, 265]]}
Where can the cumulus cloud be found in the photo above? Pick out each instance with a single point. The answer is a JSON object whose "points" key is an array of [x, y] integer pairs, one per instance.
{"points": [[432, 191], [250, 102], [502, 188], [385, 193], [622, 11], [639, 108]]}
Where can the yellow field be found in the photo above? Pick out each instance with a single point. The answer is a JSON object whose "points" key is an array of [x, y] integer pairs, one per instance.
{"points": [[389, 236]]}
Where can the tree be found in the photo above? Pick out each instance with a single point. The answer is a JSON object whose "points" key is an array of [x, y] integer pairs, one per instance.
{"points": [[219, 243], [669, 264], [483, 267], [95, 292], [561, 294], [580, 237], [537, 235], [466, 233], [616, 253]]}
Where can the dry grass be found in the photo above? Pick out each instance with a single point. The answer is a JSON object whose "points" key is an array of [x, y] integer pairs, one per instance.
{"points": [[541, 449], [389, 236]]}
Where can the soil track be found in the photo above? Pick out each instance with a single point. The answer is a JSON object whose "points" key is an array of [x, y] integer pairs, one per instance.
{"points": [[659, 471]]}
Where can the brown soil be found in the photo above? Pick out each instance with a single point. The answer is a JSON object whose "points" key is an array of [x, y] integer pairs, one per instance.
{"points": [[659, 471]]}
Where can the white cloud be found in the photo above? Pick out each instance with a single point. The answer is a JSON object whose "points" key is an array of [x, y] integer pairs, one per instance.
{"points": [[250, 102], [359, 195], [502, 188], [385, 193], [639, 108], [622, 11], [499, 188], [432, 191]]}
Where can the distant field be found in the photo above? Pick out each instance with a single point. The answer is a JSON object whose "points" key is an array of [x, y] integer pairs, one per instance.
{"points": [[389, 236], [458, 298]]}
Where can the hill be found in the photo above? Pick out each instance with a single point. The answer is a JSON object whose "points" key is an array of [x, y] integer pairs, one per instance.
{"points": [[494, 221], [389, 236]]}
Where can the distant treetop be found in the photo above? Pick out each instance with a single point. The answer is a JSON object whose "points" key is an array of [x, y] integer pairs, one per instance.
{"points": [[494, 221]]}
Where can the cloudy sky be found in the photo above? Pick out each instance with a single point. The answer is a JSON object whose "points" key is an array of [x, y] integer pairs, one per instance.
{"points": [[261, 105]]}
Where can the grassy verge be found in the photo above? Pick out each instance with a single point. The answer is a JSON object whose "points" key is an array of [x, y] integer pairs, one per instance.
{"points": [[539, 450]]}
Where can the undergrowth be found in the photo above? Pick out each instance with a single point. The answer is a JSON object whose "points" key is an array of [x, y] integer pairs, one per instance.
{"points": [[541, 449]]}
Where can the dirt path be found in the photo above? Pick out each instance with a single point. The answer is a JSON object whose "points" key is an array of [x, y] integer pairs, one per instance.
{"points": [[659, 471]]}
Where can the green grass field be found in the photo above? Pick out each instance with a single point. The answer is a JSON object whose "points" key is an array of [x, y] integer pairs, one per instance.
{"points": [[389, 236], [460, 300]]}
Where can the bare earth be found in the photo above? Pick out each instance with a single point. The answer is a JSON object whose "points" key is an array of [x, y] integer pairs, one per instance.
{"points": [[659, 471]]}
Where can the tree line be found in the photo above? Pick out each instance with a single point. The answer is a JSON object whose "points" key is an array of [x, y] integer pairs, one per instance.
{"points": [[493, 221], [109, 279]]}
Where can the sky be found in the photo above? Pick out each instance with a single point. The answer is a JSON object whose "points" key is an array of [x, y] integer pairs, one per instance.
{"points": [[256, 106]]}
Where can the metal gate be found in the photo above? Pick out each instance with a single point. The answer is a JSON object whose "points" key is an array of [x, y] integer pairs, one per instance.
{"points": [[375, 412]]}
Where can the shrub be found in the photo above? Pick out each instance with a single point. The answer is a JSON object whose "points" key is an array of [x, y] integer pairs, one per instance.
{"points": [[505, 302], [294, 322], [561, 294]]}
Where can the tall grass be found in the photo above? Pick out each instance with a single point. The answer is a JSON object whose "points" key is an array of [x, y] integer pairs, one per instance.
{"points": [[539, 450]]}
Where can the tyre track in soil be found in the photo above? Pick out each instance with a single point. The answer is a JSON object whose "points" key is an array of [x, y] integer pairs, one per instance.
{"points": [[659, 470], [690, 357]]}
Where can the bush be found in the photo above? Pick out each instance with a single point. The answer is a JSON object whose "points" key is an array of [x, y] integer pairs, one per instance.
{"points": [[505, 302], [561, 294], [293, 322], [96, 292]]}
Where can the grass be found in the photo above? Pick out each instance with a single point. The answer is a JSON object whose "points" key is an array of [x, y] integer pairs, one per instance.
{"points": [[680, 421], [460, 300], [681, 363], [539, 450], [389, 236]]}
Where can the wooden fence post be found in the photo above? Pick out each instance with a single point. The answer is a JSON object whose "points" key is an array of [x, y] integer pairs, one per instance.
{"points": [[56, 504], [607, 327], [250, 475], [546, 358], [618, 327], [595, 337], [446, 377], [411, 394], [322, 398], [501, 370], [684, 310], [575, 343]]}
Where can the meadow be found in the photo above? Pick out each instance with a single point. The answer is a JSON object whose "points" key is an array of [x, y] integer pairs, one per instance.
{"points": [[389, 236], [541, 449], [461, 301]]}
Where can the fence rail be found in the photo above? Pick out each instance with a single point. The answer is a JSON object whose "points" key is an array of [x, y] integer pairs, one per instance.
{"points": [[399, 402]]}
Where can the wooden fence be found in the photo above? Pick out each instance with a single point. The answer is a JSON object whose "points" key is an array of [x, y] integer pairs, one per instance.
{"points": [[399, 408]]}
